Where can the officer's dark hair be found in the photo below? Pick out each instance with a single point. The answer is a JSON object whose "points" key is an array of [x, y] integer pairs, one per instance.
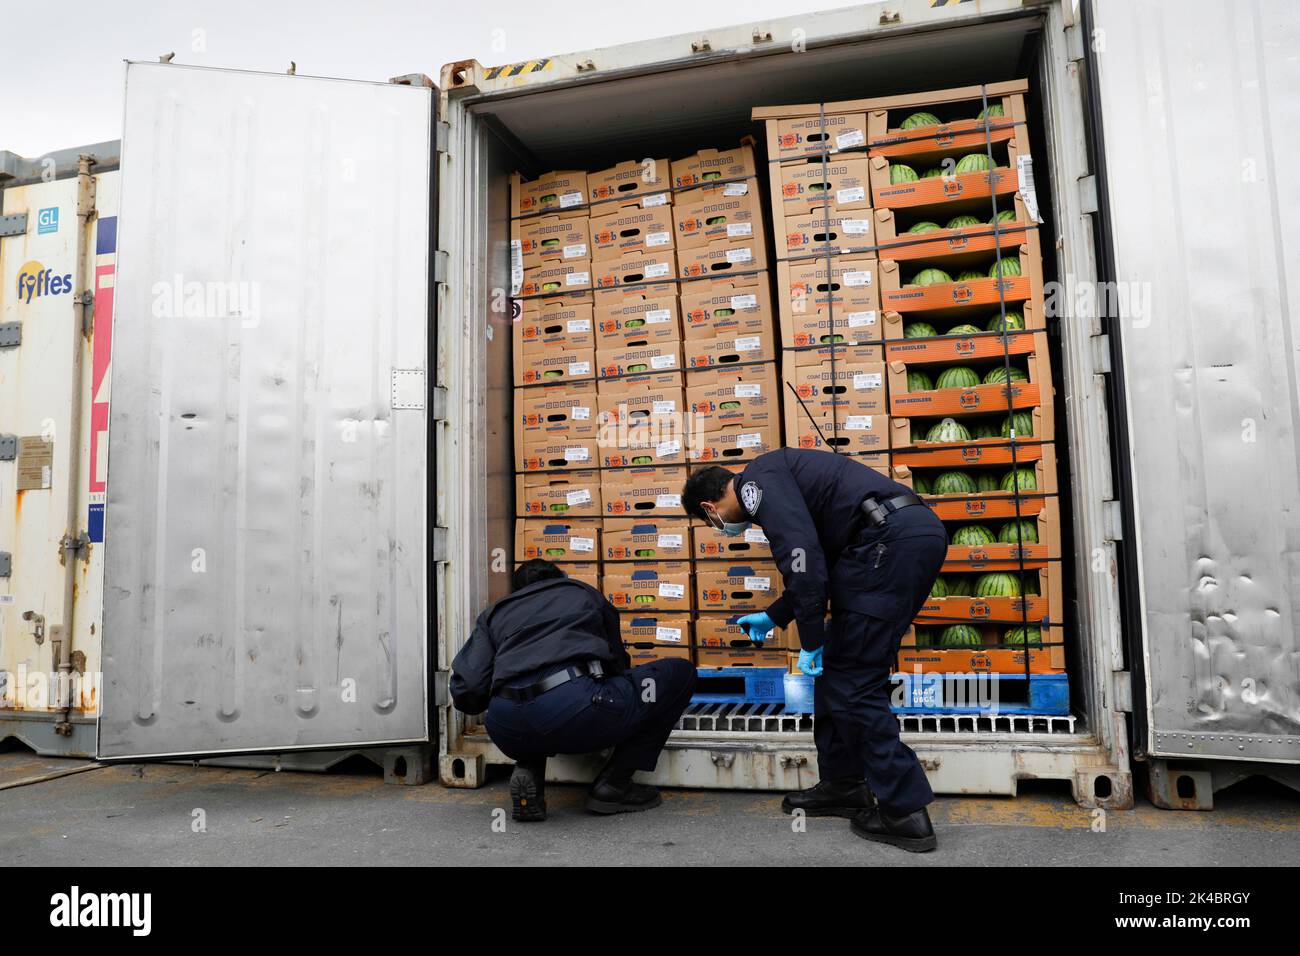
{"points": [[706, 484], [534, 570]]}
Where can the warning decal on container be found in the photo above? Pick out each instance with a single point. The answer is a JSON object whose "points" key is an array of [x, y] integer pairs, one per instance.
{"points": [[35, 463]]}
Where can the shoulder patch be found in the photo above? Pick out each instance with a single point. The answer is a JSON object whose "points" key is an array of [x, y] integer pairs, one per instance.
{"points": [[751, 496]]}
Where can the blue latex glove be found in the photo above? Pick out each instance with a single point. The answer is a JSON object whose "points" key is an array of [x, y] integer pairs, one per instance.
{"points": [[810, 663], [757, 626]]}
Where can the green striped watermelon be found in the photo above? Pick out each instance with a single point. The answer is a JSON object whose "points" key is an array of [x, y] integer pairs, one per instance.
{"points": [[973, 536], [918, 330], [924, 636], [1025, 532], [932, 173], [961, 585], [939, 589], [954, 483], [917, 430], [997, 585], [1020, 636], [1004, 268], [986, 482], [1022, 477], [957, 376], [920, 484], [990, 111], [931, 277], [998, 375], [921, 118], [970, 275], [961, 222], [973, 163], [918, 381], [1006, 215], [963, 330], [1022, 422], [984, 429], [1031, 583], [1012, 320], [899, 173], [960, 635], [924, 227], [948, 430]]}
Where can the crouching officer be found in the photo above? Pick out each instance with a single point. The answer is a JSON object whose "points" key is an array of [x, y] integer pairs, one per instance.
{"points": [[842, 531], [547, 664]]}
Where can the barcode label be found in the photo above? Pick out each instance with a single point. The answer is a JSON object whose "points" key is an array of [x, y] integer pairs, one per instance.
{"points": [[758, 584], [667, 590], [578, 278], [576, 251], [864, 381], [855, 194], [658, 316], [749, 441], [582, 544], [663, 361], [570, 199], [858, 320], [735, 189], [667, 407], [749, 344], [857, 423], [749, 390], [668, 501], [1025, 182], [855, 227], [580, 497], [849, 139], [579, 368], [740, 255], [581, 413], [656, 269], [576, 454], [857, 279], [739, 302], [657, 238], [669, 541], [579, 325], [516, 266], [667, 449], [737, 229], [670, 634], [658, 199], [755, 536]]}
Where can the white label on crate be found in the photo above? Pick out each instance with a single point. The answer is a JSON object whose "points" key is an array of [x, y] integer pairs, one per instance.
{"points": [[857, 278], [568, 200], [658, 316], [580, 497], [755, 536], [855, 227], [749, 390], [858, 320], [8, 600], [579, 368], [576, 251], [576, 454], [582, 544], [666, 449], [663, 361], [669, 541], [857, 423], [737, 229], [653, 239], [663, 408], [516, 266], [1025, 182], [667, 590], [863, 381], [758, 584], [658, 199], [581, 413], [849, 139], [750, 343], [671, 634], [856, 194], [749, 441], [578, 325], [735, 189], [668, 501], [578, 278], [740, 255], [656, 270], [739, 302]]}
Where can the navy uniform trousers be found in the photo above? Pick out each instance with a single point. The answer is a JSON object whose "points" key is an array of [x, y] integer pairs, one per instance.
{"points": [[877, 587]]}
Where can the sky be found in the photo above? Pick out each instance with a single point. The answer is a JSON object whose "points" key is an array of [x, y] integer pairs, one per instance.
{"points": [[61, 65]]}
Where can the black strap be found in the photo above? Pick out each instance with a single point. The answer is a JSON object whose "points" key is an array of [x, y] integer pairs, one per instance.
{"points": [[563, 676], [877, 511]]}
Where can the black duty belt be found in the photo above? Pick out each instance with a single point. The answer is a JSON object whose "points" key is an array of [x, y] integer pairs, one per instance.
{"points": [[563, 676], [877, 510]]}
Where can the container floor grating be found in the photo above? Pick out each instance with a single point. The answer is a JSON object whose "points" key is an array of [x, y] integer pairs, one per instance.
{"points": [[773, 718]]}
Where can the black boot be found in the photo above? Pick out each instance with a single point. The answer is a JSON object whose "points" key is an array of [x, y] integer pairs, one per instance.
{"points": [[831, 798], [528, 792], [913, 832], [614, 792]]}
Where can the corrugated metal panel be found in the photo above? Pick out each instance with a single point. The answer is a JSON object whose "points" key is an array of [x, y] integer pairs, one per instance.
{"points": [[1202, 126]]}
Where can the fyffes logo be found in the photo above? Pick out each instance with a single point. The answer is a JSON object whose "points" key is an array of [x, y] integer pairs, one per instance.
{"points": [[34, 280]]}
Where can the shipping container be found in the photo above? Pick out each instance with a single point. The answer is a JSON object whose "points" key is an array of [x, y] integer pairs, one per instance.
{"points": [[314, 491]]}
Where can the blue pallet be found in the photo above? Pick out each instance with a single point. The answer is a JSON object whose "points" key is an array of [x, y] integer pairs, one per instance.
{"points": [[762, 685], [936, 693]]}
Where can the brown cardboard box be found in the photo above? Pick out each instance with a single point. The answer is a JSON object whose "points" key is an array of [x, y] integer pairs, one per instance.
{"points": [[854, 421], [711, 657], [651, 444], [809, 301], [721, 630], [635, 315], [559, 454], [797, 136], [727, 586], [723, 258], [555, 366], [625, 228], [649, 585], [715, 164], [646, 539], [573, 275], [632, 178], [704, 218], [640, 359], [981, 296], [817, 354], [734, 395], [562, 237], [841, 184], [661, 406], [644, 653], [729, 348], [648, 266], [656, 629], [570, 539], [559, 322], [568, 494], [822, 230], [549, 192], [634, 492], [588, 574], [709, 544], [555, 411], [710, 309], [735, 443]]}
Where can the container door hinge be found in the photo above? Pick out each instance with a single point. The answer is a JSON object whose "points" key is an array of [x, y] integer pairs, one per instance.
{"points": [[1122, 689], [1088, 195], [1113, 513], [76, 545], [440, 265], [11, 335], [87, 300], [8, 447], [441, 694], [1074, 50], [438, 403], [441, 137], [15, 224], [6, 564], [1101, 354]]}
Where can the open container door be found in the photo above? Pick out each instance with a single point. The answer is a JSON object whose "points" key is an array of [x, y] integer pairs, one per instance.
{"points": [[266, 564], [1200, 125]]}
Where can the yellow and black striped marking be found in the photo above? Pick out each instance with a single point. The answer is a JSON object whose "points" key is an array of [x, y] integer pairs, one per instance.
{"points": [[515, 69]]}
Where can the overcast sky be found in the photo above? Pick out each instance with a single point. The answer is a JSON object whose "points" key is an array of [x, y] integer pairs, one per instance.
{"points": [[61, 69]]}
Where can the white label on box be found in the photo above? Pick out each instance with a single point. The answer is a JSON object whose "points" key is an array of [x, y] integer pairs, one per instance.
{"points": [[581, 413], [657, 238], [749, 344], [856, 194], [576, 251], [857, 423], [516, 266], [579, 325], [857, 279], [858, 320], [740, 255], [758, 584], [1025, 182], [578, 278], [663, 408], [580, 497], [669, 541], [862, 381], [672, 634], [735, 189], [855, 227], [663, 361], [737, 229], [658, 199], [739, 302], [568, 200], [582, 544], [755, 536], [748, 390], [656, 270], [849, 139], [576, 454], [579, 368], [666, 449], [8, 600], [668, 501], [667, 590], [658, 316], [749, 441]]}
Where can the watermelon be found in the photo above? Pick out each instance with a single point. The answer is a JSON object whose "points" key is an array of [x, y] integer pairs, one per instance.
{"points": [[918, 330], [932, 173], [997, 585], [963, 330], [969, 275], [919, 382], [1012, 320], [947, 430], [1022, 422], [1020, 636], [986, 482], [899, 173], [918, 430], [939, 589], [1022, 477], [1006, 215], [920, 484], [1030, 585], [993, 109], [957, 376], [959, 585], [984, 429], [998, 374], [920, 119], [960, 635], [930, 277], [1024, 532], [973, 163], [954, 483], [924, 637], [960, 222], [1007, 268], [973, 536], [923, 227]]}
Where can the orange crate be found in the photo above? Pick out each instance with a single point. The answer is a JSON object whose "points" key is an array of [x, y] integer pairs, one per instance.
{"points": [[956, 299], [951, 245], [961, 130], [991, 399], [1048, 659], [966, 559], [1046, 607], [978, 451]]}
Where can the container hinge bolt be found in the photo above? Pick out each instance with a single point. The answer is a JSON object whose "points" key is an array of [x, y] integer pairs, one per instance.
{"points": [[77, 545], [586, 66], [723, 760], [793, 760], [37, 622], [762, 36], [890, 16], [8, 447], [440, 263], [701, 45]]}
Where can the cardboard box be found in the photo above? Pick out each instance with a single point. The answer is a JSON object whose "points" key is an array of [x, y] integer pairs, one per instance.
{"points": [[747, 395], [735, 443], [555, 366], [644, 653], [656, 586], [983, 451], [560, 454], [824, 230], [711, 657], [845, 398], [646, 539], [978, 400], [648, 266], [663, 406], [730, 348], [588, 574], [724, 586], [632, 178], [713, 309], [709, 165], [640, 359], [555, 412], [574, 539], [559, 322], [651, 444], [708, 217], [637, 492], [959, 107], [561, 237], [656, 630], [820, 309], [636, 315], [840, 184], [569, 494], [721, 630], [963, 559], [991, 504], [978, 296], [549, 192], [557, 277], [949, 349], [1046, 659], [723, 258], [708, 544], [799, 136], [626, 227], [934, 193], [955, 246]]}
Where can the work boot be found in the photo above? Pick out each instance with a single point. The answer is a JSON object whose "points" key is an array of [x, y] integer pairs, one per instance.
{"points": [[614, 792], [528, 792], [913, 832], [831, 798]]}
